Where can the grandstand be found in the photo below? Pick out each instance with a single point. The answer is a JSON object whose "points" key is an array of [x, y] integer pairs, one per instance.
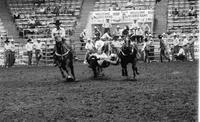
{"points": [[182, 22], [75, 16]]}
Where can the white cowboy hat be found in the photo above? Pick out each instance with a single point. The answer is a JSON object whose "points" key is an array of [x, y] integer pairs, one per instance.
{"points": [[95, 27], [118, 26]]}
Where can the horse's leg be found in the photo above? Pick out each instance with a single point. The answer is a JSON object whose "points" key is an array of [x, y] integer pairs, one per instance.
{"points": [[124, 70], [72, 69], [61, 70]]}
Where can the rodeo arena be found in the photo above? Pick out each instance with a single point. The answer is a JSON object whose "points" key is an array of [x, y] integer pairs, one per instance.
{"points": [[99, 60]]}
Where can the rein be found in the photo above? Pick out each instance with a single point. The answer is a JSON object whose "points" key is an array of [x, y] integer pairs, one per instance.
{"points": [[62, 55]]}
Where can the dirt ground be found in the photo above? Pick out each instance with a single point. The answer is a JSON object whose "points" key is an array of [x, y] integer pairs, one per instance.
{"points": [[164, 92]]}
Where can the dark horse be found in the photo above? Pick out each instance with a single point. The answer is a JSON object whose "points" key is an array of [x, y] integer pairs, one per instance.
{"points": [[128, 54], [64, 59]]}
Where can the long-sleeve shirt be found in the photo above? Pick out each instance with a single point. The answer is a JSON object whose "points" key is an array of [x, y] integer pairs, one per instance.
{"points": [[37, 46], [58, 33], [29, 47], [7, 47]]}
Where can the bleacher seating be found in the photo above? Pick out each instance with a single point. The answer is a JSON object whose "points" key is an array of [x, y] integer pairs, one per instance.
{"points": [[104, 5], [68, 15], [182, 22]]}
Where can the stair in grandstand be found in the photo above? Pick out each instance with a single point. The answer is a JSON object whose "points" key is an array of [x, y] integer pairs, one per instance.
{"points": [[160, 25], [86, 8], [7, 22]]}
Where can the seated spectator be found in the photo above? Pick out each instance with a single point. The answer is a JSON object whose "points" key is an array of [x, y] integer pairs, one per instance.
{"points": [[47, 10], [41, 9], [191, 12], [175, 13], [65, 10], [181, 54], [31, 22], [16, 15], [129, 4]]}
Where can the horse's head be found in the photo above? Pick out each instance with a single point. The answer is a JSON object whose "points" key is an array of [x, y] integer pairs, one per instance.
{"points": [[92, 61]]}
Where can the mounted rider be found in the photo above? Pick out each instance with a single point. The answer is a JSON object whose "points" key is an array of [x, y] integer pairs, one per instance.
{"points": [[58, 35]]}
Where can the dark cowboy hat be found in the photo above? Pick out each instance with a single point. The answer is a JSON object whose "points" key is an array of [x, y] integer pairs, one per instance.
{"points": [[6, 40], [57, 22], [160, 36], [29, 40]]}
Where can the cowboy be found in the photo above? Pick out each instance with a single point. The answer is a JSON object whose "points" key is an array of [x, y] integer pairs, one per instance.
{"points": [[99, 45], [57, 34], [7, 50], [29, 49], [38, 50], [162, 49], [175, 47]]}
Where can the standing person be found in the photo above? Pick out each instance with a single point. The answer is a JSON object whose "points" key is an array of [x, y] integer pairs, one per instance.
{"points": [[191, 46], [29, 49], [89, 49], [12, 45], [125, 32], [107, 25], [38, 50], [162, 49], [146, 49], [117, 33], [7, 50], [83, 38], [185, 46], [175, 48], [97, 33]]}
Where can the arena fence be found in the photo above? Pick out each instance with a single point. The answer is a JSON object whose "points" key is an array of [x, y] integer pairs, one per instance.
{"points": [[47, 53]]}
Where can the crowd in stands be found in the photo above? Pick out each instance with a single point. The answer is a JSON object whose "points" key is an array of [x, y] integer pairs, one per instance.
{"points": [[36, 18], [124, 5], [174, 46]]}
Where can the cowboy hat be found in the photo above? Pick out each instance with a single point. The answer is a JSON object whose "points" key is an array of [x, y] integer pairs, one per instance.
{"points": [[95, 27], [118, 26], [6, 40], [57, 22], [29, 40]]}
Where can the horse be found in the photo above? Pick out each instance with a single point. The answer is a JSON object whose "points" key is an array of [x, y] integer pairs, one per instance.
{"points": [[64, 59], [128, 54]]}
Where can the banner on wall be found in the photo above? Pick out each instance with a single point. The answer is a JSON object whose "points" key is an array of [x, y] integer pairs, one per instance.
{"points": [[144, 18], [128, 16]]}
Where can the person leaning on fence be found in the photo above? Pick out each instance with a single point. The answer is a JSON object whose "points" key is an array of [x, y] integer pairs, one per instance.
{"points": [[162, 49], [38, 51], [185, 45], [7, 50], [146, 49], [83, 38], [191, 40], [29, 49], [12, 45], [90, 48], [175, 47]]}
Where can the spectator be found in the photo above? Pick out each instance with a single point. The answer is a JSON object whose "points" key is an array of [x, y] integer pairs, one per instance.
{"points": [[38, 50], [175, 47], [12, 45], [162, 49], [181, 54], [117, 33], [89, 49], [16, 15], [129, 4], [175, 13], [97, 33], [107, 25], [29, 49], [192, 12], [185, 45], [106, 36], [192, 39], [31, 22], [83, 38], [125, 32], [7, 50], [146, 49]]}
